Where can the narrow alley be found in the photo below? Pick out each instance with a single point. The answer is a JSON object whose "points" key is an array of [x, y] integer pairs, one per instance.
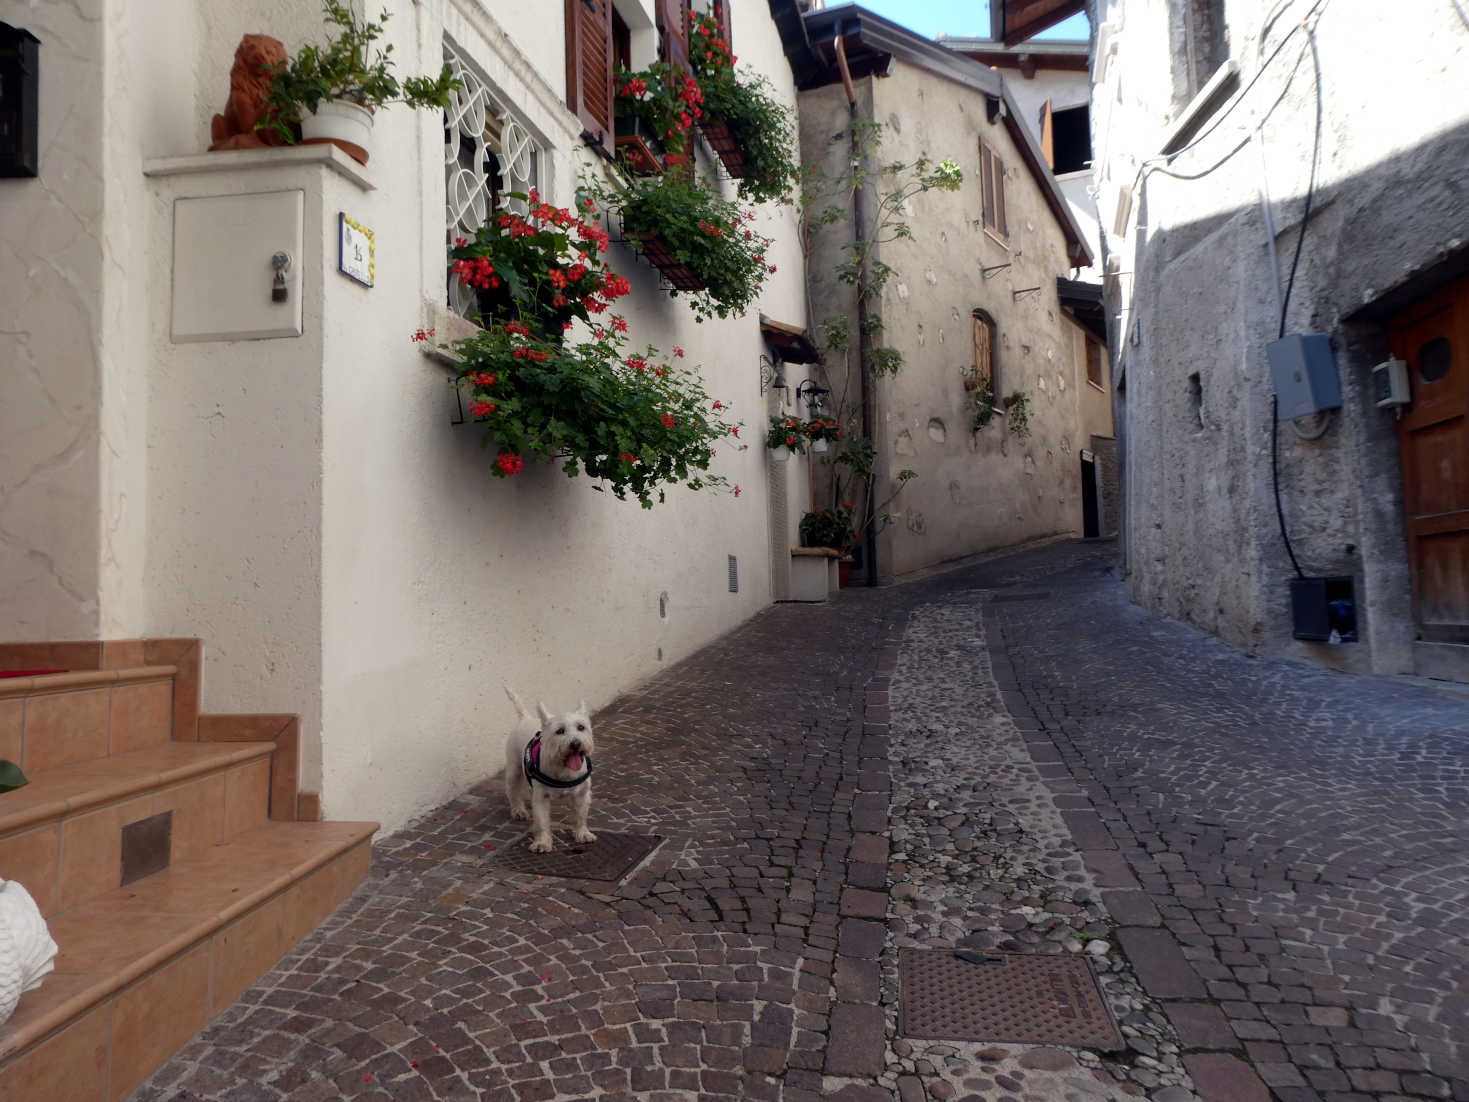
{"points": [[1264, 862]]}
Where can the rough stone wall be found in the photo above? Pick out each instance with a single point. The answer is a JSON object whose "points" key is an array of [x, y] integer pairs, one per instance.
{"points": [[975, 490], [1198, 303], [1109, 483]]}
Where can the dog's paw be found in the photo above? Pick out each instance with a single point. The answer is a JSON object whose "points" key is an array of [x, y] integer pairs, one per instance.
{"points": [[584, 835], [541, 845], [520, 812]]}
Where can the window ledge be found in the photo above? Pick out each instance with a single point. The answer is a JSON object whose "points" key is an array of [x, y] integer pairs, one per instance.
{"points": [[1212, 96], [240, 160], [1097, 387], [996, 238], [448, 327]]}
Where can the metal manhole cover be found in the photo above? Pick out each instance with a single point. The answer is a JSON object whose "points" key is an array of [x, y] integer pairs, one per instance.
{"points": [[1044, 595], [610, 857], [1009, 997]]}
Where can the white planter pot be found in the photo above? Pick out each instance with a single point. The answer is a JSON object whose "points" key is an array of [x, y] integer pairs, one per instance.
{"points": [[818, 446], [338, 120], [780, 454]]}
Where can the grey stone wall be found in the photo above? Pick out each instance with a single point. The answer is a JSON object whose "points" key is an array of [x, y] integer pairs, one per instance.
{"points": [[1197, 303], [975, 490]]}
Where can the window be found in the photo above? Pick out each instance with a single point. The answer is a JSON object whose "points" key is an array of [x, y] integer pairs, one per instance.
{"points": [[487, 153], [1201, 45], [1072, 138], [621, 43], [992, 189], [983, 331], [1094, 363]]}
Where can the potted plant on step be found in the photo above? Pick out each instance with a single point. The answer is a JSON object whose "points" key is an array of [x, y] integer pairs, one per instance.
{"points": [[785, 435], [331, 91]]}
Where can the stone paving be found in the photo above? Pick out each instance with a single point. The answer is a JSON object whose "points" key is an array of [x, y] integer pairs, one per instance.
{"points": [[1265, 863]]}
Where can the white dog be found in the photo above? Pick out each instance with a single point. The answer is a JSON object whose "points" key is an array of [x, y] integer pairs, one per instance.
{"points": [[546, 757]]}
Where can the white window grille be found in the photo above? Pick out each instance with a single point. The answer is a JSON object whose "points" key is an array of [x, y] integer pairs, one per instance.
{"points": [[488, 153]]}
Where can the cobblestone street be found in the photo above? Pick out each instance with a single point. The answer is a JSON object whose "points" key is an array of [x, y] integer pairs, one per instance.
{"points": [[1264, 862]]}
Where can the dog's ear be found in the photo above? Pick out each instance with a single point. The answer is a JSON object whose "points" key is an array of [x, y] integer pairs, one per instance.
{"points": [[545, 715], [582, 708]]}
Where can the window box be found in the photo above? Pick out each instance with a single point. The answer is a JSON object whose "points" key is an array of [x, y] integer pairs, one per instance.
{"points": [[717, 133], [638, 147], [658, 254]]}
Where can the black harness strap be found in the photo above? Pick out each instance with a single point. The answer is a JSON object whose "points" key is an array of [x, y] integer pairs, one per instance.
{"points": [[531, 762]]}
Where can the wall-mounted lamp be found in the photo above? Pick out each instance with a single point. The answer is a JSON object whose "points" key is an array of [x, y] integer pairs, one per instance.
{"points": [[772, 373], [814, 395]]}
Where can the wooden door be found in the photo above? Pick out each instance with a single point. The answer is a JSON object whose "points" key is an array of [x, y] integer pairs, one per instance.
{"points": [[1432, 336]]}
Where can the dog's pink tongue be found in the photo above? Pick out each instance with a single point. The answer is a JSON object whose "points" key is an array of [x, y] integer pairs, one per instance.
{"points": [[573, 762]]}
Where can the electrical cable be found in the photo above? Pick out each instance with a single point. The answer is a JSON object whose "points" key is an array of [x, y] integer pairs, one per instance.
{"points": [[1275, 478]]}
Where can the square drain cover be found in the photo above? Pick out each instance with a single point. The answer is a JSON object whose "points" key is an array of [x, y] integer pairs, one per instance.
{"points": [[610, 857], [1009, 997]]}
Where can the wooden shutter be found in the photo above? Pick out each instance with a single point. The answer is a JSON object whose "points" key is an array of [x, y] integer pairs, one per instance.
{"points": [[999, 170], [589, 67], [722, 13], [986, 186], [984, 350], [1048, 136], [673, 31]]}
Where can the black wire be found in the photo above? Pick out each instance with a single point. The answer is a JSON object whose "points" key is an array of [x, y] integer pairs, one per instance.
{"points": [[1285, 305], [1310, 182], [1275, 478]]}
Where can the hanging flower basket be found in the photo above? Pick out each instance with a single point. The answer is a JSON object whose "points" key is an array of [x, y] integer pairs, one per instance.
{"points": [[780, 454], [717, 133], [679, 274], [818, 446], [638, 147]]}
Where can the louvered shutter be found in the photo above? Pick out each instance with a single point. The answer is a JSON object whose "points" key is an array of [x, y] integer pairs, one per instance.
{"points": [[589, 67], [673, 23], [999, 167], [721, 12], [986, 186]]}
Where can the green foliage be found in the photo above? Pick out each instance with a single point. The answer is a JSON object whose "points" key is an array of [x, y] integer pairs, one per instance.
{"points": [[633, 421], [545, 269], [667, 99], [836, 333], [824, 428], [1018, 414], [885, 361], [982, 403], [348, 68], [11, 777], [709, 234], [761, 126], [786, 432], [829, 528]]}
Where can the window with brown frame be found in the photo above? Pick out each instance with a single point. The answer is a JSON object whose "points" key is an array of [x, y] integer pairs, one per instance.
{"points": [[621, 43], [992, 189], [983, 335], [1093, 363]]}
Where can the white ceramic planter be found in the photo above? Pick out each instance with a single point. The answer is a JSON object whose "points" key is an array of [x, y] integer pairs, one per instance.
{"points": [[338, 120], [818, 446], [780, 454], [27, 953]]}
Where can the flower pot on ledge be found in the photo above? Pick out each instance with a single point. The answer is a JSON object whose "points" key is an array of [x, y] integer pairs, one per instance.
{"points": [[717, 133], [638, 147], [348, 126], [658, 254]]}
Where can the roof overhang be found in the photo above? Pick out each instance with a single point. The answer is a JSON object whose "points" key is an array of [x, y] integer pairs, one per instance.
{"points": [[790, 342], [872, 43], [1027, 58], [1013, 21], [1082, 301]]}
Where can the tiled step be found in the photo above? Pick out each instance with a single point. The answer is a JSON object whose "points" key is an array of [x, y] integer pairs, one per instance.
{"points": [[50, 721], [62, 835], [143, 968]]}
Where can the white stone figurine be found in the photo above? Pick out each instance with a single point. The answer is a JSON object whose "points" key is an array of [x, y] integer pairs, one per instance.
{"points": [[27, 953]]}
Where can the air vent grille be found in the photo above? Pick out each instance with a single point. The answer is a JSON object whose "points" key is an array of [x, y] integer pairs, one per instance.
{"points": [[734, 574]]}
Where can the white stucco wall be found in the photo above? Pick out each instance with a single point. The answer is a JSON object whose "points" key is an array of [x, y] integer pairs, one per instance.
{"points": [[51, 319], [342, 547], [1196, 294]]}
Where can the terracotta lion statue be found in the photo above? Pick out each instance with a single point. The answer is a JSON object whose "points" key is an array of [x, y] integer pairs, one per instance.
{"points": [[250, 80]]}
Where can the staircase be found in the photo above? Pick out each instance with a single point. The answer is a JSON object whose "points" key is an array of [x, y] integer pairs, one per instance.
{"points": [[167, 850]]}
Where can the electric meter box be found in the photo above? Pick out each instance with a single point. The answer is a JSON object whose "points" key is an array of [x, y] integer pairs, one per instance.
{"points": [[1390, 384], [1304, 371]]}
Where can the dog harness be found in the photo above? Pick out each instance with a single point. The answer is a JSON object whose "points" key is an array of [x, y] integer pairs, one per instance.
{"points": [[531, 763]]}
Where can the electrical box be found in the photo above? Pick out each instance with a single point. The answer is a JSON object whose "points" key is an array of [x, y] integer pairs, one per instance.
{"points": [[1324, 610], [1304, 371], [1390, 384]]}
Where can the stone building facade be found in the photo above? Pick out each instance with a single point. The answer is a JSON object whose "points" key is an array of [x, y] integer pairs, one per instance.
{"points": [[1253, 181], [976, 295]]}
